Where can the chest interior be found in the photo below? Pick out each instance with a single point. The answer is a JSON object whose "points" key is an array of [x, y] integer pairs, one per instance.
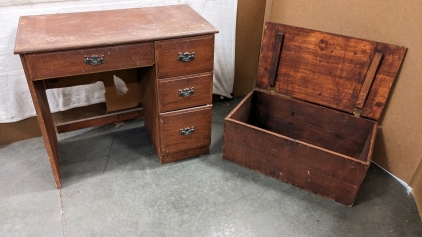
{"points": [[314, 125]]}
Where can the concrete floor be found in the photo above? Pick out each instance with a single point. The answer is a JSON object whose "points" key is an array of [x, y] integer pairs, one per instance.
{"points": [[113, 185]]}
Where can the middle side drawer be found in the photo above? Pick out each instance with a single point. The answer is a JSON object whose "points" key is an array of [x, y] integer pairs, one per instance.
{"points": [[179, 93]]}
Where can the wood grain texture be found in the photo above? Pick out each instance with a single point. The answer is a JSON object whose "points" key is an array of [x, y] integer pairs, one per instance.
{"points": [[66, 31], [368, 149], [45, 120], [323, 127], [275, 60], [387, 73], [53, 49], [181, 155], [308, 167], [242, 112], [68, 63], [80, 113], [370, 75], [171, 123], [169, 98], [99, 120], [167, 52], [148, 89], [328, 69]]}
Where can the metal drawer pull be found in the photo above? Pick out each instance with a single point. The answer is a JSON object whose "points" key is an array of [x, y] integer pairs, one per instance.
{"points": [[94, 60], [187, 131], [186, 92], [186, 57]]}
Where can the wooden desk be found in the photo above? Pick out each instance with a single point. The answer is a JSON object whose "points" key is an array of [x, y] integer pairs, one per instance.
{"points": [[173, 48]]}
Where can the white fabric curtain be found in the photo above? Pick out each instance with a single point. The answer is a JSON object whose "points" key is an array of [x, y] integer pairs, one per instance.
{"points": [[15, 99]]}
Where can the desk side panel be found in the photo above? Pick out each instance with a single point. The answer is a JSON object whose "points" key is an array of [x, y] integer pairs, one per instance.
{"points": [[148, 90]]}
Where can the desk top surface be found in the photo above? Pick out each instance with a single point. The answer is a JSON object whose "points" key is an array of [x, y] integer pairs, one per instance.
{"points": [[55, 32]]}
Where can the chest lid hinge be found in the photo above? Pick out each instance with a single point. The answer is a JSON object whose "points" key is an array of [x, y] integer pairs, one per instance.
{"points": [[272, 89], [357, 112]]}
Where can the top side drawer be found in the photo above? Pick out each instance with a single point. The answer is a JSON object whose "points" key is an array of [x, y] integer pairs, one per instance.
{"points": [[167, 56], [72, 62]]}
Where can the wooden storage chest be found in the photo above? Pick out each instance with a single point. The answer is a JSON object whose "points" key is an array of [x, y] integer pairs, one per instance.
{"points": [[312, 119]]}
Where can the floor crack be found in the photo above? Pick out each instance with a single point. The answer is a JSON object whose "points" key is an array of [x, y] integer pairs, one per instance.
{"points": [[62, 213], [109, 156], [200, 213]]}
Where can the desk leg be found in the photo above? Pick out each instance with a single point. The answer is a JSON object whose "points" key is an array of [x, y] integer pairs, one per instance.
{"points": [[45, 121]]}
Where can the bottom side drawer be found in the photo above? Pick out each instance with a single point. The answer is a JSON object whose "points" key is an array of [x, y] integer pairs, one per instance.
{"points": [[185, 129]]}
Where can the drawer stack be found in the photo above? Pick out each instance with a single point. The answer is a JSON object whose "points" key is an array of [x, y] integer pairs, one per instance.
{"points": [[178, 116]]}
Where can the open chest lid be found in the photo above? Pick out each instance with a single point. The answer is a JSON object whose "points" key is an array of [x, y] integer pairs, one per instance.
{"points": [[340, 72]]}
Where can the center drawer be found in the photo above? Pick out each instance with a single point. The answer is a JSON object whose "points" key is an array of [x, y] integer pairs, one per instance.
{"points": [[185, 129], [85, 61]]}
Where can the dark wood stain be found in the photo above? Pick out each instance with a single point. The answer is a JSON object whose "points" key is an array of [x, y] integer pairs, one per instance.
{"points": [[172, 122], [302, 130], [325, 173], [68, 63], [328, 69], [149, 91], [386, 75], [242, 112], [45, 120], [168, 50], [275, 59], [370, 75], [99, 120], [169, 98], [323, 127], [170, 75], [143, 41], [57, 32], [180, 155]]}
